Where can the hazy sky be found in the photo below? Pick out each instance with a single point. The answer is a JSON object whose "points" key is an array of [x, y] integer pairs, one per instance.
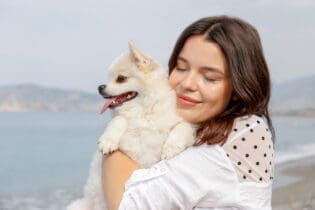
{"points": [[71, 43]]}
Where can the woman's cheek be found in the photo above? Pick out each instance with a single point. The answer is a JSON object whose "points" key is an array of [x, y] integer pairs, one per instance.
{"points": [[173, 79]]}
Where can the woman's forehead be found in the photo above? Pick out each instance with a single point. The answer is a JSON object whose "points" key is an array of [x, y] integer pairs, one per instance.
{"points": [[201, 53]]}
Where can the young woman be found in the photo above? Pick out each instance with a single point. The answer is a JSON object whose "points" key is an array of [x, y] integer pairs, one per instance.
{"points": [[222, 83]]}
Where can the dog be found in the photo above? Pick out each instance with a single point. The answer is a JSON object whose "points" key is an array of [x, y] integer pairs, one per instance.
{"points": [[145, 125]]}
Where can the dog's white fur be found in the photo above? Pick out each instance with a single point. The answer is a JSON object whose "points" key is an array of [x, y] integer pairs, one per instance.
{"points": [[146, 128]]}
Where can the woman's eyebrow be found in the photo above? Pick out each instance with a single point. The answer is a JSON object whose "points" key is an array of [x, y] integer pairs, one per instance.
{"points": [[212, 69], [182, 59], [204, 68]]}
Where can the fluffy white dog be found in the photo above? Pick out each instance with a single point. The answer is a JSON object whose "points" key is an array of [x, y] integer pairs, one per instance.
{"points": [[144, 126]]}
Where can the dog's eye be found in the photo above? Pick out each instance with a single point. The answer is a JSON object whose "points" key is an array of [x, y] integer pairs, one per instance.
{"points": [[121, 78]]}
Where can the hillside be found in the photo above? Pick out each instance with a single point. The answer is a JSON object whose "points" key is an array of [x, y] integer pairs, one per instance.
{"points": [[296, 97], [34, 98]]}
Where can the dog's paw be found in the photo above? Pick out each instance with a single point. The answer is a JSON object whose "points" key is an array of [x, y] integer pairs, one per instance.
{"points": [[170, 151], [107, 147]]}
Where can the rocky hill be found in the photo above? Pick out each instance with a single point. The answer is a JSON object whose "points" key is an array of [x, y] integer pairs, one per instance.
{"points": [[34, 98], [296, 97]]}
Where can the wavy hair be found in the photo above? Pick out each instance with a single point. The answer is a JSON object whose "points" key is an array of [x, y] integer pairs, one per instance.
{"points": [[248, 70]]}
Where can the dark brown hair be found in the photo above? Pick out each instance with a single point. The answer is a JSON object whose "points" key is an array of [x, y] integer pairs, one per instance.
{"points": [[248, 70]]}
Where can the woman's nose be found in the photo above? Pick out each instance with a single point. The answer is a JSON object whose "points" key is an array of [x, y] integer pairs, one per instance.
{"points": [[190, 81]]}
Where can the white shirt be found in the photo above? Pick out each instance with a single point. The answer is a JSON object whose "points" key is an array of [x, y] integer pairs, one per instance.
{"points": [[202, 177]]}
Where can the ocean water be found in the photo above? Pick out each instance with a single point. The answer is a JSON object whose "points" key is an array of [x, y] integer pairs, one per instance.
{"points": [[44, 157]]}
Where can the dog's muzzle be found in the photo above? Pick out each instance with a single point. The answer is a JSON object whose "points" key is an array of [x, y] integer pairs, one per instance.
{"points": [[102, 92]]}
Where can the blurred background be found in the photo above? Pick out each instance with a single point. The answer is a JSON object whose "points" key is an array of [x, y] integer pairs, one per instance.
{"points": [[54, 54]]}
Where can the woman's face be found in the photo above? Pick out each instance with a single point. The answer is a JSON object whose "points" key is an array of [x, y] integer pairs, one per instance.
{"points": [[201, 80]]}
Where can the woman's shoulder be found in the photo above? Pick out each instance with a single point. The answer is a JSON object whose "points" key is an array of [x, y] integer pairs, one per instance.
{"points": [[248, 125], [250, 119], [250, 148]]}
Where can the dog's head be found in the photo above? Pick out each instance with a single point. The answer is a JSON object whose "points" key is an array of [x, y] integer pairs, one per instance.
{"points": [[133, 76]]}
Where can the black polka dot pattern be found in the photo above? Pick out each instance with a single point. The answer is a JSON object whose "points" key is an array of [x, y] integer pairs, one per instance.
{"points": [[252, 149]]}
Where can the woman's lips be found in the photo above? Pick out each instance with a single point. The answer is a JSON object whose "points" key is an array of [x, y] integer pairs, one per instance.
{"points": [[186, 101]]}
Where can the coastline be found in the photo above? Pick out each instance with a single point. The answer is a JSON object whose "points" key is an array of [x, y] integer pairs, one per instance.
{"points": [[294, 185], [298, 113]]}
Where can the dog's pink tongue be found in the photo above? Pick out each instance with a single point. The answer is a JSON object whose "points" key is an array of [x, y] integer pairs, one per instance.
{"points": [[107, 104]]}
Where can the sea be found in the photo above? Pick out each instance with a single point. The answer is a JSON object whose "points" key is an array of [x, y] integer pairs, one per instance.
{"points": [[45, 157]]}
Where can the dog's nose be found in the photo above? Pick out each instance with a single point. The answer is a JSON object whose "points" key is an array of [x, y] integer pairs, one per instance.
{"points": [[101, 88]]}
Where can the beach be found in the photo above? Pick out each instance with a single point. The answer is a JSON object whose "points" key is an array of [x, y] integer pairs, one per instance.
{"points": [[295, 185], [58, 173]]}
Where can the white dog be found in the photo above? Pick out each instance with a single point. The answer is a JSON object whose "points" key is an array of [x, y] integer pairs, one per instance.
{"points": [[145, 125]]}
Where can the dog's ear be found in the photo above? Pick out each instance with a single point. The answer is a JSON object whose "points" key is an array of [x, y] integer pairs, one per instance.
{"points": [[143, 62]]}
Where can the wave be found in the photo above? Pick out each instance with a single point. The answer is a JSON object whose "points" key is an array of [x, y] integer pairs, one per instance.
{"points": [[55, 200], [295, 153]]}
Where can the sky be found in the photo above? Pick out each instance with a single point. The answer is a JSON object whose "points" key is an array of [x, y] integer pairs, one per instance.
{"points": [[71, 43]]}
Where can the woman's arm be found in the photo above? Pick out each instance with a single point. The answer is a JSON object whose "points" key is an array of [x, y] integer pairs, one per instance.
{"points": [[116, 170]]}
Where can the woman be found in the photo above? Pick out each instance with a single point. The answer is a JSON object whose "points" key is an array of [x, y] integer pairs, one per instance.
{"points": [[222, 84]]}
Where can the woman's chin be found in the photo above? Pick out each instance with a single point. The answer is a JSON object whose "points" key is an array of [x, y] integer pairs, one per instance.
{"points": [[195, 115], [188, 115]]}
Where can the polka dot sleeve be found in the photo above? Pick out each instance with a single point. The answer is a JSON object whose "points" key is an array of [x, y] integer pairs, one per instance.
{"points": [[250, 149]]}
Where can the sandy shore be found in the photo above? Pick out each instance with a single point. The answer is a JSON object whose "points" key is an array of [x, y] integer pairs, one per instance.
{"points": [[299, 194]]}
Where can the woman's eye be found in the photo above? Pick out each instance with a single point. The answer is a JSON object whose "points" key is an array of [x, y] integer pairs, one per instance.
{"points": [[209, 79], [180, 68]]}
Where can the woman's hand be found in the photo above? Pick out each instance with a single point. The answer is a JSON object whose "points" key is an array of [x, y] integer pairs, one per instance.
{"points": [[116, 170]]}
